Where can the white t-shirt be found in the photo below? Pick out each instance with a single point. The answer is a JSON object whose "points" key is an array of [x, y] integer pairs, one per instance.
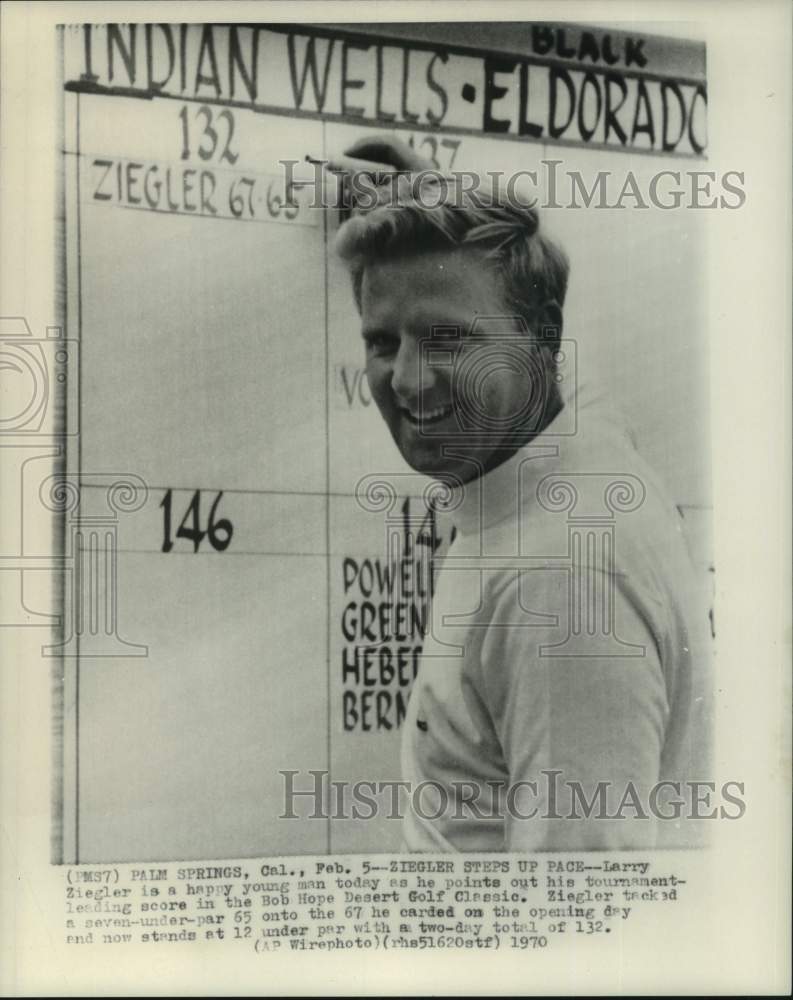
{"points": [[569, 645]]}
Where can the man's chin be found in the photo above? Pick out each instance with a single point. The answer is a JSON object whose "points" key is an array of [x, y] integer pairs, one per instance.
{"points": [[433, 463]]}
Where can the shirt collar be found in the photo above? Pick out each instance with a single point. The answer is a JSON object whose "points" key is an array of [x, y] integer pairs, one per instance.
{"points": [[499, 494], [481, 503]]}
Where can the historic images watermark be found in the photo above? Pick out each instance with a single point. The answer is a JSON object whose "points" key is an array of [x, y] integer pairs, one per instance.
{"points": [[552, 796], [39, 422], [347, 185]]}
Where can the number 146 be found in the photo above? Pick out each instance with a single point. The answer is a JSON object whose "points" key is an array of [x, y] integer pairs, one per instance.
{"points": [[219, 532]]}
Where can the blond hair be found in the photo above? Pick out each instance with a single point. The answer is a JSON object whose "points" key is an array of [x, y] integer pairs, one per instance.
{"points": [[401, 220]]}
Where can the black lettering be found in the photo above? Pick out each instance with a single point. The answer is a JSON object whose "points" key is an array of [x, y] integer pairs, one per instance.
{"points": [[366, 704], [418, 619], [366, 578], [407, 115], [309, 66], [609, 55], [207, 188], [249, 73], [401, 707], [115, 41], [152, 186], [206, 48], [670, 87], [132, 182], [695, 144], [590, 80], [168, 36], [367, 619], [89, 73], [525, 127], [385, 577], [558, 74], [563, 50], [541, 39], [102, 195], [437, 89], [172, 205], [633, 52], [183, 55], [588, 47], [354, 111], [350, 572], [387, 670], [347, 626], [383, 704], [494, 91], [610, 116], [368, 664], [350, 665], [349, 713], [646, 126], [379, 111], [187, 189]]}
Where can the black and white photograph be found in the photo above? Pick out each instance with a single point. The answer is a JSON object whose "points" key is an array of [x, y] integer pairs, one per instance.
{"points": [[378, 520], [350, 370]]}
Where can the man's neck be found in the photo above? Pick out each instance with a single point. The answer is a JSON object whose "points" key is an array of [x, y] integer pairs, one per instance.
{"points": [[525, 435]]}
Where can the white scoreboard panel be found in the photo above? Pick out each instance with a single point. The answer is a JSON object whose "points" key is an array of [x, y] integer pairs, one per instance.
{"points": [[253, 603]]}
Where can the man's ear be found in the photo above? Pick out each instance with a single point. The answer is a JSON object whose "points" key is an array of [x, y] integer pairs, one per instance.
{"points": [[548, 323]]}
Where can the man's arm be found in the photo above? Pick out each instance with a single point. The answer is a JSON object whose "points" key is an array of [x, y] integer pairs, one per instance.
{"points": [[594, 719]]}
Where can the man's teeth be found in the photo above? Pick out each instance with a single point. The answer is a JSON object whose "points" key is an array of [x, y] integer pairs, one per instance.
{"points": [[428, 416]]}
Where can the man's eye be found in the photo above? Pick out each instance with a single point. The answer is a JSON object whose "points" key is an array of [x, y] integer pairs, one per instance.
{"points": [[381, 344], [447, 336]]}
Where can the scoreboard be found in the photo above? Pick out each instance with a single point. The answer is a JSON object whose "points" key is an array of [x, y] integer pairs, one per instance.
{"points": [[251, 557]]}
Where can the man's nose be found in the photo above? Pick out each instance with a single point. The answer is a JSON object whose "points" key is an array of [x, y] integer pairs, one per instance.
{"points": [[412, 375]]}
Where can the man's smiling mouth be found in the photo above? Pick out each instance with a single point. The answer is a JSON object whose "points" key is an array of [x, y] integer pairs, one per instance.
{"points": [[424, 417]]}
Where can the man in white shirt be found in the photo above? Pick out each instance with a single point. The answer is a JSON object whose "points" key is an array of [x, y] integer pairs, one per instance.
{"points": [[563, 698]]}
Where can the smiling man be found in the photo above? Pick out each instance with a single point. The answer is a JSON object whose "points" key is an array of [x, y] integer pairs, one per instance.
{"points": [[563, 698], [425, 402]]}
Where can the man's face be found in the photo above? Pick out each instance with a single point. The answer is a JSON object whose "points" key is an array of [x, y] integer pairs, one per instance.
{"points": [[454, 405]]}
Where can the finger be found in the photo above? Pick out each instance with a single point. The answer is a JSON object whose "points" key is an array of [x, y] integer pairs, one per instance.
{"points": [[389, 150], [352, 165]]}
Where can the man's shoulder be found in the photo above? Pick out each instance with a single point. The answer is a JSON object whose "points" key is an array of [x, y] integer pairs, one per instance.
{"points": [[595, 504], [599, 474]]}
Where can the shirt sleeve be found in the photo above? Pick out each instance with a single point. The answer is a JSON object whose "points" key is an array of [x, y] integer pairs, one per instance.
{"points": [[581, 732]]}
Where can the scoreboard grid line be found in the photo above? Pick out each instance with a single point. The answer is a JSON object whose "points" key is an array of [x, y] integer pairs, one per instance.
{"points": [[79, 469], [328, 577]]}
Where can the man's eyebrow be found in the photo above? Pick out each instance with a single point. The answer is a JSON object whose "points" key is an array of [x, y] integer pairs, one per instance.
{"points": [[434, 320]]}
